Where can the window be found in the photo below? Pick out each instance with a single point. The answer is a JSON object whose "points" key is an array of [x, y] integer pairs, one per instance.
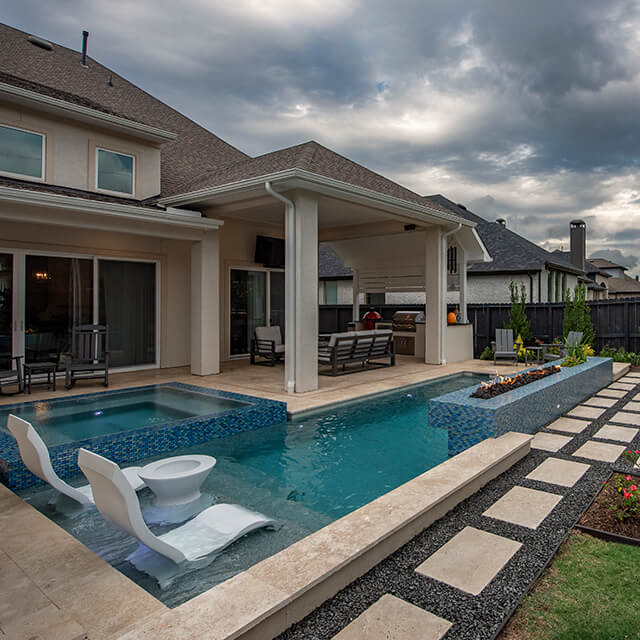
{"points": [[452, 260], [114, 171], [331, 292], [21, 153]]}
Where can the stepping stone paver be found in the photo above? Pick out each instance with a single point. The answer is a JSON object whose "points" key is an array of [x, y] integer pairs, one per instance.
{"points": [[391, 618], [470, 560], [586, 412], [626, 418], [628, 380], [557, 471], [597, 401], [611, 393], [570, 425], [526, 507], [621, 434], [634, 375], [549, 441], [601, 451], [622, 386], [634, 405]]}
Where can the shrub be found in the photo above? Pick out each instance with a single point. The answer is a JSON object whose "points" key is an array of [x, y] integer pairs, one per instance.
{"points": [[518, 320], [577, 315], [487, 353]]}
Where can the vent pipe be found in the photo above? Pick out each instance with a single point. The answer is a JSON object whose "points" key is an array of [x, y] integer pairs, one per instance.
{"points": [[501, 221], [85, 37]]}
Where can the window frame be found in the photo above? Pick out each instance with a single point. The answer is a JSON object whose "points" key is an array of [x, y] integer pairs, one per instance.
{"points": [[24, 176], [122, 194]]}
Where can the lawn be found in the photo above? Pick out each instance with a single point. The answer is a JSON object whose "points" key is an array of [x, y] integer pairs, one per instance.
{"points": [[590, 591]]}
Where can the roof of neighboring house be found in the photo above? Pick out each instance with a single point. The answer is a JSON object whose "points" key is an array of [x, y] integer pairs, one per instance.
{"points": [[511, 252], [59, 73], [330, 267], [623, 285], [603, 263], [589, 267]]}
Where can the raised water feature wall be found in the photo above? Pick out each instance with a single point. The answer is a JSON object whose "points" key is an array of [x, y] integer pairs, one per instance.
{"points": [[525, 409]]}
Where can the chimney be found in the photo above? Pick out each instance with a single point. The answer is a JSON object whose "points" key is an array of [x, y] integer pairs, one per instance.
{"points": [[578, 243], [85, 37], [501, 221]]}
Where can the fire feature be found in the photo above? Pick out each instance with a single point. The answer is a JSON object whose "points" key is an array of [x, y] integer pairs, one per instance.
{"points": [[502, 384]]}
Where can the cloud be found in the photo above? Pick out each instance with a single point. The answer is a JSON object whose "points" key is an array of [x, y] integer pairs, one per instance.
{"points": [[522, 110], [616, 256]]}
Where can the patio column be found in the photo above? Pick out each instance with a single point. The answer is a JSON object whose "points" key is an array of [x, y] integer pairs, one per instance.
{"points": [[462, 267], [434, 296], [306, 291], [205, 305], [356, 295]]}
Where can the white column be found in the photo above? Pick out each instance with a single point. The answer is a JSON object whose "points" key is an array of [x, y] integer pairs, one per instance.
{"points": [[434, 294], [306, 291], [356, 295], [462, 270], [205, 305]]}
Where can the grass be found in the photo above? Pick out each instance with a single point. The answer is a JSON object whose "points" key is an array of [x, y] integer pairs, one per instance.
{"points": [[590, 591]]}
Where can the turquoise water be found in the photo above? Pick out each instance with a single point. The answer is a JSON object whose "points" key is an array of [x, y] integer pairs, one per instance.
{"points": [[304, 473], [101, 414]]}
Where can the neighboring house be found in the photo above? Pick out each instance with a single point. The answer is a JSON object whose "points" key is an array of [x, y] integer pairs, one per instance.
{"points": [[618, 283], [545, 275], [116, 208]]}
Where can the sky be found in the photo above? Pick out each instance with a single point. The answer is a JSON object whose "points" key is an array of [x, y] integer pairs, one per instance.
{"points": [[518, 109]]}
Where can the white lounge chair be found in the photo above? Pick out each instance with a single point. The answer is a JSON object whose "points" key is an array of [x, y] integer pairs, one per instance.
{"points": [[35, 456], [210, 531]]}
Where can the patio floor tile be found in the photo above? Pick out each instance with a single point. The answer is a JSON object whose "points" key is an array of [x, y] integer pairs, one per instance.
{"points": [[470, 560], [601, 451], [49, 623], [611, 393], [561, 472], [393, 618], [570, 425], [626, 418], [634, 405], [621, 434], [526, 507], [598, 401], [549, 441], [586, 412]]}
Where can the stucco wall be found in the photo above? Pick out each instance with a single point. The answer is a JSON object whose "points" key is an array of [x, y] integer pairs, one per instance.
{"points": [[71, 151]]}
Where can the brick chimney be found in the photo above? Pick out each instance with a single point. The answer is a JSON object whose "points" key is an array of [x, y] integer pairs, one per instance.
{"points": [[578, 240]]}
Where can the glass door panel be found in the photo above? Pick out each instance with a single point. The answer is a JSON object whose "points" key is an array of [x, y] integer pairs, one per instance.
{"points": [[58, 296], [127, 304], [248, 292], [6, 310], [276, 300]]}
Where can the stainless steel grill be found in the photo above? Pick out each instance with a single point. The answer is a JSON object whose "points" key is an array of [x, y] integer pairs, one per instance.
{"points": [[407, 320]]}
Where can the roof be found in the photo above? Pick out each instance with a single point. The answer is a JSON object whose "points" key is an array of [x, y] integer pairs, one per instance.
{"points": [[603, 263], [315, 158], [623, 285], [589, 267], [60, 74], [329, 264], [511, 253]]}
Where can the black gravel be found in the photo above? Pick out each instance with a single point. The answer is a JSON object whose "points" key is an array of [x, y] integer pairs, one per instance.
{"points": [[483, 616]]}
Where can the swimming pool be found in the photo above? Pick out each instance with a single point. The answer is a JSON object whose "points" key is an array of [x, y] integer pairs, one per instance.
{"points": [[89, 416], [305, 473]]}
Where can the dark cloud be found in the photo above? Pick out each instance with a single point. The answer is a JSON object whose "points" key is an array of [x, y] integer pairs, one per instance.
{"points": [[617, 256], [523, 110]]}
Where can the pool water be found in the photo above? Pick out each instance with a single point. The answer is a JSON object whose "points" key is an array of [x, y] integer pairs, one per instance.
{"points": [[77, 418], [304, 473]]}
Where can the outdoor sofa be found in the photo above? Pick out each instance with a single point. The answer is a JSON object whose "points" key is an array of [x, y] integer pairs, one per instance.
{"points": [[366, 349]]}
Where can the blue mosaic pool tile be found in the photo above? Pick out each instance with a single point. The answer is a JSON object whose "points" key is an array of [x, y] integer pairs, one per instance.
{"points": [[525, 409], [132, 446]]}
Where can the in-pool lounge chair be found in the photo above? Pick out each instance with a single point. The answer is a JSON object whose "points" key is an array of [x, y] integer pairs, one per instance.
{"points": [[210, 531], [35, 456]]}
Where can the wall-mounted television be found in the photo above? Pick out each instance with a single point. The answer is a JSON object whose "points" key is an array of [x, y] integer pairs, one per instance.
{"points": [[270, 252]]}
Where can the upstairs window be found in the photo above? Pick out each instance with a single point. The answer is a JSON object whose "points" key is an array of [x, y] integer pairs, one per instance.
{"points": [[452, 260], [21, 153], [115, 172]]}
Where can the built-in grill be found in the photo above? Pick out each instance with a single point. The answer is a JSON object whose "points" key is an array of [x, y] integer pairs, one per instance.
{"points": [[407, 320]]}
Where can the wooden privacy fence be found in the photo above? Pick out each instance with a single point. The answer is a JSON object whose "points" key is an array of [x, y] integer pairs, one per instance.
{"points": [[616, 322]]}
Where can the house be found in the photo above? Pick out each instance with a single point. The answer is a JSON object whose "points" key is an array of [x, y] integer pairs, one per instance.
{"points": [[613, 276], [545, 275], [117, 209]]}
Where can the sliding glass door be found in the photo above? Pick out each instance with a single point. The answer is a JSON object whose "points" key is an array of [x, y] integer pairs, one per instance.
{"points": [[256, 300], [127, 304], [42, 297]]}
